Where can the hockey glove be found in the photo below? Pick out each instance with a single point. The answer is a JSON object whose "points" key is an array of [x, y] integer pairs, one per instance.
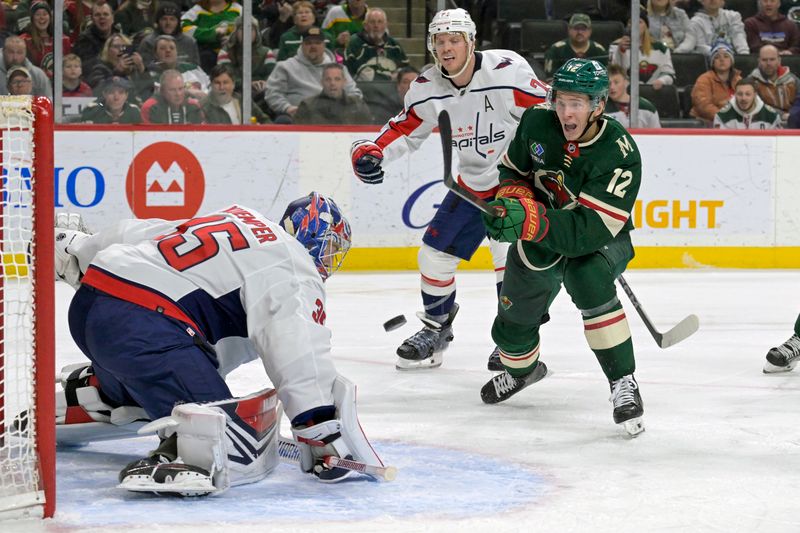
{"points": [[367, 158], [316, 442], [67, 268], [514, 189], [525, 220]]}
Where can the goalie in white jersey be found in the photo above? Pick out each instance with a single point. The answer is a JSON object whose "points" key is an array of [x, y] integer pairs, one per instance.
{"points": [[165, 309], [485, 94]]}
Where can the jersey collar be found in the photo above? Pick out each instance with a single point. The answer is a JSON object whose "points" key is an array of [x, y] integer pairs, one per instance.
{"points": [[478, 61], [599, 133]]}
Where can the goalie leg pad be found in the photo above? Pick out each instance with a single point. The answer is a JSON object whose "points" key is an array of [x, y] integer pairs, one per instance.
{"points": [[219, 445], [342, 437]]}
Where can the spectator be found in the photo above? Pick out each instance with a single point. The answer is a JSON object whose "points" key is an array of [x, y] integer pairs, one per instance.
{"points": [[343, 20], [196, 79], [19, 81], [118, 58], [794, 114], [223, 105], [668, 24], [300, 77], [713, 24], [113, 107], [775, 84], [714, 88], [71, 76], [209, 22], [385, 108], [690, 6], [770, 26], [655, 60], [791, 8], [618, 105], [170, 105], [577, 44], [262, 58], [14, 56], [746, 111], [91, 40], [134, 16], [303, 17], [168, 23], [372, 54], [38, 37], [332, 105], [277, 16]]}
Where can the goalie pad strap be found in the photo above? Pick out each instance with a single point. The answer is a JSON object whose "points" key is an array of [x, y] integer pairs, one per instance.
{"points": [[320, 442]]}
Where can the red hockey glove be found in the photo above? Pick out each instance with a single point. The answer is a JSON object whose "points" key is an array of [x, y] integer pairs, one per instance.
{"points": [[367, 158], [525, 220]]}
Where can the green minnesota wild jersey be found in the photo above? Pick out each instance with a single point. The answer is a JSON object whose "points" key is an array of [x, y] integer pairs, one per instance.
{"points": [[588, 188]]}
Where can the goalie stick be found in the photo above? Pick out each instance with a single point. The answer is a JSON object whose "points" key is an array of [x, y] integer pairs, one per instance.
{"points": [[289, 452], [684, 329]]}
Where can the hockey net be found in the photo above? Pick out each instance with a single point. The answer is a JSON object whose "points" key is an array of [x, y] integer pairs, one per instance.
{"points": [[27, 366]]}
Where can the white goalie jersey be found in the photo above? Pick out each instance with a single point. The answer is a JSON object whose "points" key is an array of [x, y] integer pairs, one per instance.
{"points": [[248, 287], [484, 114]]}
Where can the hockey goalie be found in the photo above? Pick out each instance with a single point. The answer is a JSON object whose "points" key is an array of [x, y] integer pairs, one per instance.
{"points": [[165, 309]]}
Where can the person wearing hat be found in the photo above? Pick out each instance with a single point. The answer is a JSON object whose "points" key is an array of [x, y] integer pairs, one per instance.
{"points": [[714, 88], [300, 77], [19, 81], [577, 44], [14, 55], [38, 37], [168, 23], [655, 59], [113, 106], [303, 16]]}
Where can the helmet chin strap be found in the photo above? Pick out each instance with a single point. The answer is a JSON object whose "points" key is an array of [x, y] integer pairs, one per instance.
{"points": [[470, 58], [590, 121]]}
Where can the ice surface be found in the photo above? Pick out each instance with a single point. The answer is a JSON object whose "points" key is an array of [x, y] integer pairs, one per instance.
{"points": [[721, 451]]}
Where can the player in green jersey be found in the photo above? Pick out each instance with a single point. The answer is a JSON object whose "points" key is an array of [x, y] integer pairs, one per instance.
{"points": [[783, 358], [568, 183]]}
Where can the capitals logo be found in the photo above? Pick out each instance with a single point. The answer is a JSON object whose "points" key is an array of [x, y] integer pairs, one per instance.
{"points": [[551, 182], [472, 137]]}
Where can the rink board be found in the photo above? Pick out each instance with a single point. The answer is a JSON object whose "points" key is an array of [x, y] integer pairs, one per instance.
{"points": [[706, 200]]}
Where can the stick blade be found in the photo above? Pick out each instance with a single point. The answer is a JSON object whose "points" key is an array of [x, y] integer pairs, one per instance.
{"points": [[683, 330]]}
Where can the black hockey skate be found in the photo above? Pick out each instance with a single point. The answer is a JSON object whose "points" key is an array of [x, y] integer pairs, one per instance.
{"points": [[494, 364], [504, 386], [627, 401], [783, 358], [424, 348]]}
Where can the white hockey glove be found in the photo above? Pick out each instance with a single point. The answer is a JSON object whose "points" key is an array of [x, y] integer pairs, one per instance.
{"points": [[70, 230], [342, 437]]}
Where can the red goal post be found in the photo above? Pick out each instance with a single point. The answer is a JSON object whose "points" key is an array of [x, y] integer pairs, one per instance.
{"points": [[27, 308]]}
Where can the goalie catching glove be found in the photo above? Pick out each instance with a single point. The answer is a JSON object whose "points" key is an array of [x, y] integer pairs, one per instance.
{"points": [[367, 158], [525, 219], [70, 230]]}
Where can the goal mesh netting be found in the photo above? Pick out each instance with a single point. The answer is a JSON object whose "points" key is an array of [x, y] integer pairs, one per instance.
{"points": [[25, 379]]}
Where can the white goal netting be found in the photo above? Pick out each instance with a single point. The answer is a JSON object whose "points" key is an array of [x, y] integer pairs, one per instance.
{"points": [[20, 481]]}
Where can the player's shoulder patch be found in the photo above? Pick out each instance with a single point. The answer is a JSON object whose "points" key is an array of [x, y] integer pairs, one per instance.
{"points": [[504, 62], [421, 79]]}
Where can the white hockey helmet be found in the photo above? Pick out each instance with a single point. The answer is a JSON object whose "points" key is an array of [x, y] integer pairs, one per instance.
{"points": [[451, 21]]}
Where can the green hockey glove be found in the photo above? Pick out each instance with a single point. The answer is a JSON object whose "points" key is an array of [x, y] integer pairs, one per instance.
{"points": [[525, 219]]}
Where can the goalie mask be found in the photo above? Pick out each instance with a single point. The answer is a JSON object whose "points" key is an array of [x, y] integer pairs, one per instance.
{"points": [[319, 225], [452, 21]]}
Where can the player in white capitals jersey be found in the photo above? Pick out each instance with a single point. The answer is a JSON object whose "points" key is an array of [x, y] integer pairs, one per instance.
{"points": [[165, 309], [485, 94]]}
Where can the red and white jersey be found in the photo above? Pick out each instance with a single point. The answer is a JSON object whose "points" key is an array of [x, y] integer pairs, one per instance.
{"points": [[234, 277], [484, 114]]}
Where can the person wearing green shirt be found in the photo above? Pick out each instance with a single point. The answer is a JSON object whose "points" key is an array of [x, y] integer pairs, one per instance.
{"points": [[372, 53], [304, 17], [568, 185], [209, 22], [577, 44], [344, 20]]}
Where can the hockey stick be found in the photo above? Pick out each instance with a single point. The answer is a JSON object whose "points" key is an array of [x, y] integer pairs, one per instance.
{"points": [[685, 328], [290, 453]]}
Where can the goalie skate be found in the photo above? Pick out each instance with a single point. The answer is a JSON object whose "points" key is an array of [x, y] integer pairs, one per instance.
{"points": [[423, 350], [783, 358], [159, 475], [627, 402]]}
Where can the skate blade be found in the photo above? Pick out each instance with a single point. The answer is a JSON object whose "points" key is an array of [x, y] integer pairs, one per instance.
{"points": [[634, 427], [769, 368], [183, 485], [429, 363]]}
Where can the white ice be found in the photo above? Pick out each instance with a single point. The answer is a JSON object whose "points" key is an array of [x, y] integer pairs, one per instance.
{"points": [[721, 450]]}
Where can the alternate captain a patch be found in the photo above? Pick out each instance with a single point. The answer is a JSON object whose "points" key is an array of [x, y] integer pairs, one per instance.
{"points": [[537, 152]]}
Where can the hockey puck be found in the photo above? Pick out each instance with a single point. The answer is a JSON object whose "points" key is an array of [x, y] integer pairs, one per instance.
{"points": [[394, 323]]}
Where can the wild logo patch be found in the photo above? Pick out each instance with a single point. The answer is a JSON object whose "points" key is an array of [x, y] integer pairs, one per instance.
{"points": [[505, 302], [551, 182], [537, 152]]}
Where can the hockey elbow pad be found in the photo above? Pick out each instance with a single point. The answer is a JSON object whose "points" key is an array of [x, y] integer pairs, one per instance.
{"points": [[367, 158], [512, 188]]}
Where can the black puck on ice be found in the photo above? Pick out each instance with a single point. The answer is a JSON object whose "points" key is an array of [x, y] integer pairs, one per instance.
{"points": [[394, 323]]}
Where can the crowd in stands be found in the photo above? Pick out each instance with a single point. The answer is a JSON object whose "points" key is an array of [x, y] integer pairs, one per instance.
{"points": [[182, 62], [753, 46]]}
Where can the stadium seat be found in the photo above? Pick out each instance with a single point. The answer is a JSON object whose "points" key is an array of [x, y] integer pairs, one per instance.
{"points": [[665, 99], [682, 123], [746, 63], [563, 9], [688, 67], [793, 62], [539, 35], [685, 99], [517, 10], [381, 98], [746, 8], [607, 31]]}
